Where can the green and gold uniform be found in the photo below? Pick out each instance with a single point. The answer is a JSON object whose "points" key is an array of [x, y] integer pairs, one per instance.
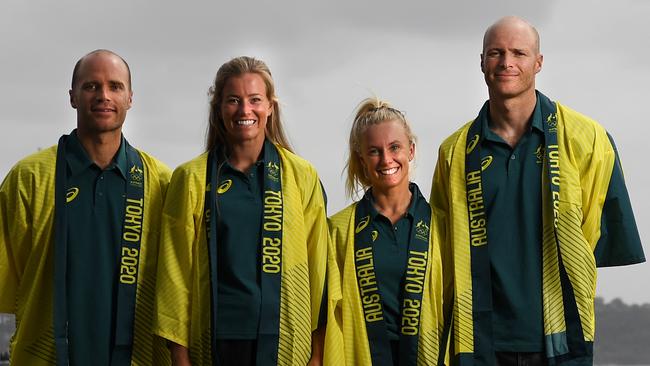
{"points": [[511, 187], [359, 283], [95, 210], [183, 298], [550, 210], [239, 299]]}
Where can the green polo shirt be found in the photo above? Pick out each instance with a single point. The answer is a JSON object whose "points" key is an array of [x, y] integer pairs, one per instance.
{"points": [[390, 255], [94, 238], [239, 226], [512, 193]]}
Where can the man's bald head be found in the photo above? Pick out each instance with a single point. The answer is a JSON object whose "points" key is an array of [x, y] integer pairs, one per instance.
{"points": [[512, 23], [78, 65]]}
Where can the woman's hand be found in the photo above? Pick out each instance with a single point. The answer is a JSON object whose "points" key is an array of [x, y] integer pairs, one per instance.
{"points": [[180, 354], [317, 345]]}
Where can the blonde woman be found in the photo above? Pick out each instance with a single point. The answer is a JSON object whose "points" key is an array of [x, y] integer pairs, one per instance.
{"points": [[242, 262], [385, 277]]}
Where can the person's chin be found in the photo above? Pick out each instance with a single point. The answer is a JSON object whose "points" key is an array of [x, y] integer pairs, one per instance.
{"points": [[506, 91], [387, 183], [106, 126]]}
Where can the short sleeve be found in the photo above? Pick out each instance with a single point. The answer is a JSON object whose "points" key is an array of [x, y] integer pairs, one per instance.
{"points": [[619, 243]]}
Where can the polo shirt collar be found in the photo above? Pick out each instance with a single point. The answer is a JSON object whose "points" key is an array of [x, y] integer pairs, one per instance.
{"points": [[536, 122], [260, 159], [78, 159], [415, 196]]}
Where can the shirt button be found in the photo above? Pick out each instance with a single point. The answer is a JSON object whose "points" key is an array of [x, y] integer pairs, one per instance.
{"points": [[513, 157]]}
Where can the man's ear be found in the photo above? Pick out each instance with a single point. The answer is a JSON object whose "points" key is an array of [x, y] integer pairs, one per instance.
{"points": [[130, 99], [72, 101]]}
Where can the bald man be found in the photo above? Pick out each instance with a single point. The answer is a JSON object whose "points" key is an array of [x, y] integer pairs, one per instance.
{"points": [[531, 199], [79, 234]]}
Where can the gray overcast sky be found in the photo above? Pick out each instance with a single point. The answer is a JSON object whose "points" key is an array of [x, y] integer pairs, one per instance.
{"points": [[326, 57]]}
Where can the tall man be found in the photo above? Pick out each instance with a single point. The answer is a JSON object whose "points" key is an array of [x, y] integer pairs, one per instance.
{"points": [[532, 199], [79, 234]]}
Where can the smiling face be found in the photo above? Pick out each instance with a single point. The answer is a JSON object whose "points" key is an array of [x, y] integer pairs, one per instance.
{"points": [[385, 155], [245, 108], [101, 93], [510, 58]]}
